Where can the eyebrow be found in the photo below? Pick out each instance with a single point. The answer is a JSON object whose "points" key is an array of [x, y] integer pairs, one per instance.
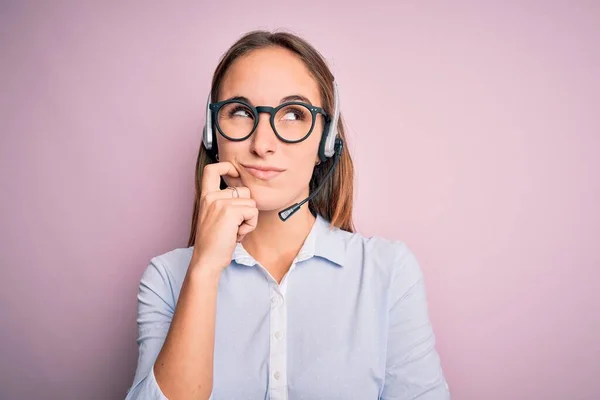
{"points": [[293, 97]]}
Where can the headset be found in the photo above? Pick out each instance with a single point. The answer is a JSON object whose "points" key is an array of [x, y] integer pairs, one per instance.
{"points": [[331, 145]]}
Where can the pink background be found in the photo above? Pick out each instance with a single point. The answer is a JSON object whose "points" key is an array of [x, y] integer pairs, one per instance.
{"points": [[474, 125]]}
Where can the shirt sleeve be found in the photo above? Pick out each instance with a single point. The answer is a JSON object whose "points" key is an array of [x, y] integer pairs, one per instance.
{"points": [[413, 367], [155, 311]]}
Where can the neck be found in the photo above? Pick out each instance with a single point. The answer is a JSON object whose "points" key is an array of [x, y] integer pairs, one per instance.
{"points": [[274, 239]]}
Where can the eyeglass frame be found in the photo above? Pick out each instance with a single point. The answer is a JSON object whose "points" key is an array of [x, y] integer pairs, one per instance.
{"points": [[272, 111]]}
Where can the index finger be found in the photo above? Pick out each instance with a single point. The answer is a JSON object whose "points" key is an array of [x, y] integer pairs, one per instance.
{"points": [[211, 179]]}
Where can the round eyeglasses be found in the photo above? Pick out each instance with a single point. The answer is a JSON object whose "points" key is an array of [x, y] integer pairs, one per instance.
{"points": [[292, 121]]}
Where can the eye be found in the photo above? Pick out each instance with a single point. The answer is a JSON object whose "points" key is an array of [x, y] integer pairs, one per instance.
{"points": [[240, 111], [293, 114]]}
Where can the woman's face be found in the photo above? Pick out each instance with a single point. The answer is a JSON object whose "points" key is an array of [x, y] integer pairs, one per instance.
{"points": [[269, 77]]}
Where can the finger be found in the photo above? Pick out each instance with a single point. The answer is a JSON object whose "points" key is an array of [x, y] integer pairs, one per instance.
{"points": [[224, 203], [249, 223], [242, 191], [211, 178]]}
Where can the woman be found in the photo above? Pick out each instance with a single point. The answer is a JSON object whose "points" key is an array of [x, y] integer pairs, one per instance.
{"points": [[268, 305]]}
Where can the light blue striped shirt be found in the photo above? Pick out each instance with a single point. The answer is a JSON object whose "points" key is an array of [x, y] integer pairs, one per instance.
{"points": [[348, 321]]}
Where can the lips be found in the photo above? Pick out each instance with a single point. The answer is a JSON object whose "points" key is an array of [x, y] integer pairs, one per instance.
{"points": [[263, 172]]}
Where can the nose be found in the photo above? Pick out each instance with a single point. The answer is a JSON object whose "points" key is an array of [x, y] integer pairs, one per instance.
{"points": [[264, 141]]}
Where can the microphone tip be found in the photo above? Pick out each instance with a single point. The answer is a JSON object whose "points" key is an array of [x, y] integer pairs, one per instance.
{"points": [[288, 212]]}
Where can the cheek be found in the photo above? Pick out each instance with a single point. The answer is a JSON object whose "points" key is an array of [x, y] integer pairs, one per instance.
{"points": [[229, 150], [304, 170], [304, 163]]}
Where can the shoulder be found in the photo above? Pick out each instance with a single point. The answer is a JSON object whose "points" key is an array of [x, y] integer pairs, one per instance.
{"points": [[165, 272], [392, 259], [175, 261]]}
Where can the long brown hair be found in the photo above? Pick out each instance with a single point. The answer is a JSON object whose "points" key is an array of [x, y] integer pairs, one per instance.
{"points": [[334, 202]]}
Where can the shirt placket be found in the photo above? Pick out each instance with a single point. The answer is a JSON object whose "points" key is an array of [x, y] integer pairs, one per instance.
{"points": [[278, 345], [278, 339]]}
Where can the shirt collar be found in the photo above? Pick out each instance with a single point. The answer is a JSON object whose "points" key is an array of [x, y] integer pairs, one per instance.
{"points": [[322, 241]]}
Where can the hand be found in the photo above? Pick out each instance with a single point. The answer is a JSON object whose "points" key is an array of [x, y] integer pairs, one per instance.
{"points": [[223, 218]]}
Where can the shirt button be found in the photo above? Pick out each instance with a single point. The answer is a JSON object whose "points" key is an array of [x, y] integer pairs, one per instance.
{"points": [[277, 375], [278, 335], [274, 300]]}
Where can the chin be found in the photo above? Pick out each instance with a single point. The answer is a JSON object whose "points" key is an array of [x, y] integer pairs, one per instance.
{"points": [[270, 204], [269, 199]]}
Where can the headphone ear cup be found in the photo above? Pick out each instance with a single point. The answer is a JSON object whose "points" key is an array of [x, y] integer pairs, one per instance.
{"points": [[205, 142], [208, 137], [323, 143], [327, 145], [210, 145]]}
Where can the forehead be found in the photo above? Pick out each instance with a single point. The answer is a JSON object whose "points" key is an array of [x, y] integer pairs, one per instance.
{"points": [[265, 76]]}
